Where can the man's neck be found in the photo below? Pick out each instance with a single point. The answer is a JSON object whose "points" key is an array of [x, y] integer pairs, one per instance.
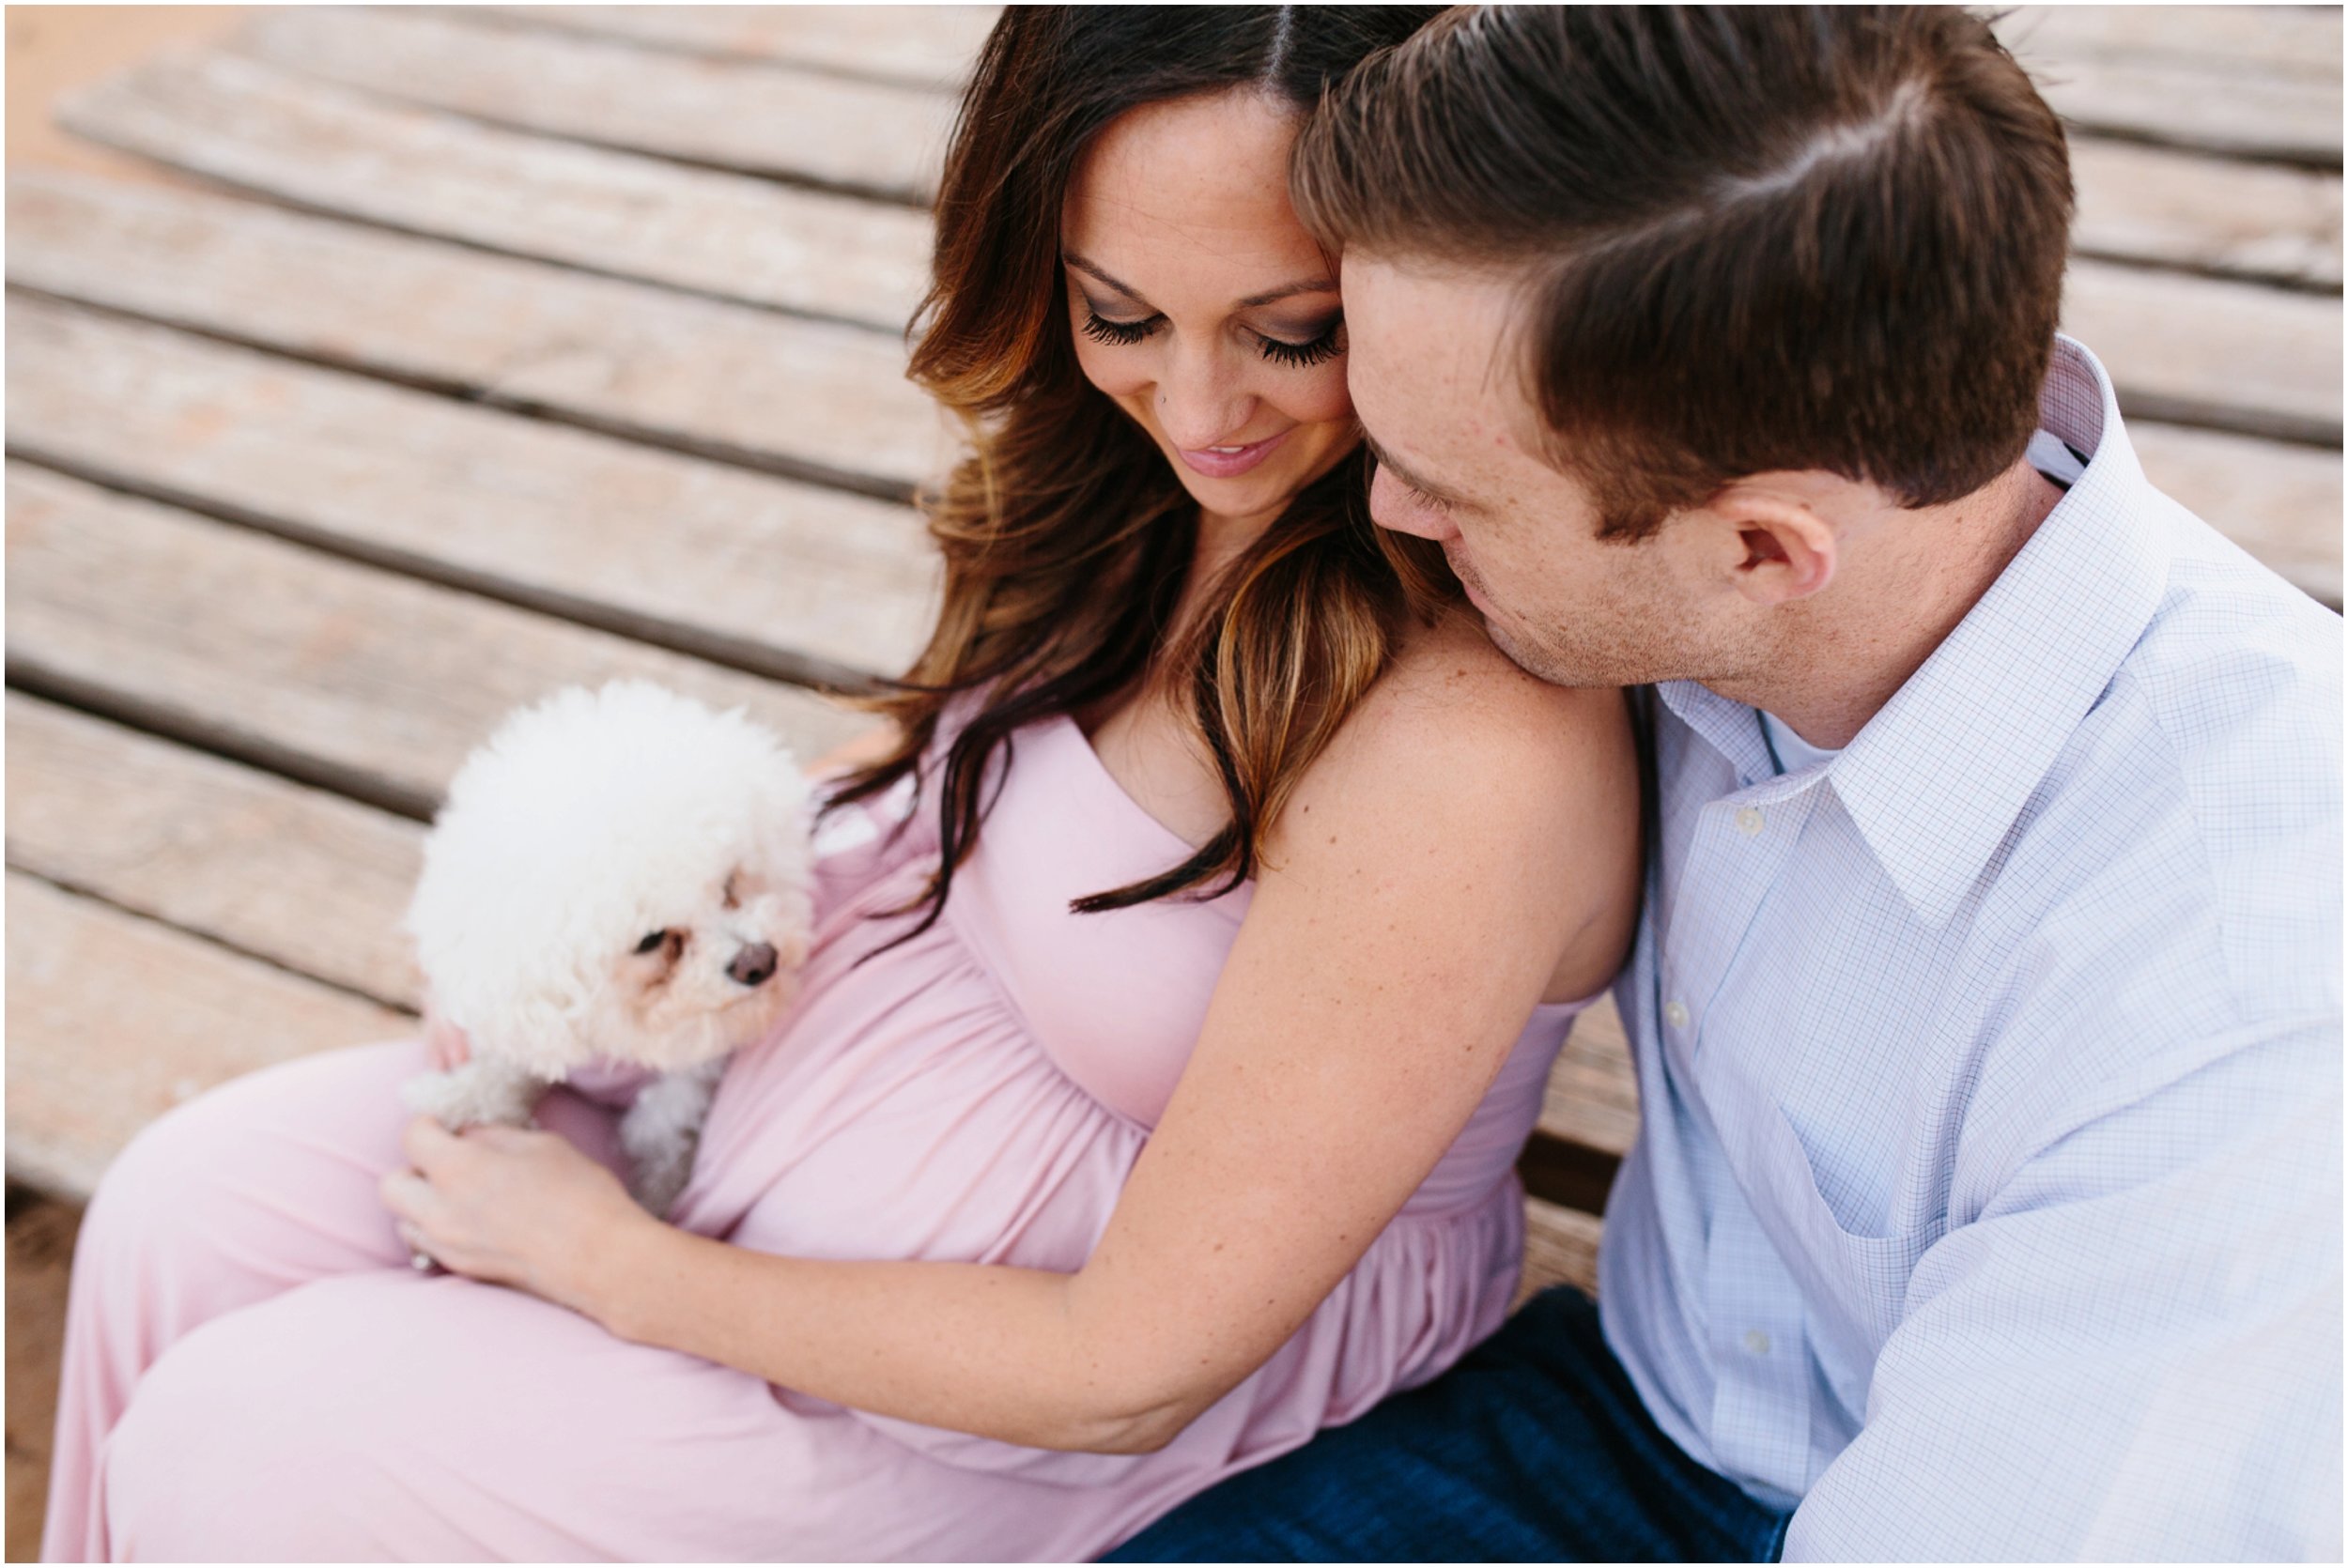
{"points": [[1848, 651]]}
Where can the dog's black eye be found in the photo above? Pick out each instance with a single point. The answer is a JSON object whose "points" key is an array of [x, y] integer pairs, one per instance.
{"points": [[652, 941]]}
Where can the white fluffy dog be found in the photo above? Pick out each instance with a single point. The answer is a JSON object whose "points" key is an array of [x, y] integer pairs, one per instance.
{"points": [[622, 874]]}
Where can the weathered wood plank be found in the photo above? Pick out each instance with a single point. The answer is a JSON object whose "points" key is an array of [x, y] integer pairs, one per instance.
{"points": [[2281, 503], [1593, 1095], [2255, 42], [334, 673], [247, 124], [2191, 76], [113, 1020], [2137, 202], [2193, 350], [813, 398], [2262, 81], [869, 138], [2259, 221], [1560, 1248], [2212, 352], [299, 878], [40, 1241], [764, 573], [930, 46]]}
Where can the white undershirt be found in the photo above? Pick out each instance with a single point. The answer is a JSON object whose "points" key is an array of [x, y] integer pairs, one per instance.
{"points": [[1793, 753]]}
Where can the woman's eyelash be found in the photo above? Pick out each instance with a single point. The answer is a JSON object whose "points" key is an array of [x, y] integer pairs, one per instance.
{"points": [[1121, 332], [1126, 333], [1320, 349]]}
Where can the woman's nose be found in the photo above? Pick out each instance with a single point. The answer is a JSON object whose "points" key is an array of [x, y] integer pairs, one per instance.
{"points": [[1202, 400]]}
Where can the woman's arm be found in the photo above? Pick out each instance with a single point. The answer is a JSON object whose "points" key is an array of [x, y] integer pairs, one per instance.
{"points": [[1433, 872]]}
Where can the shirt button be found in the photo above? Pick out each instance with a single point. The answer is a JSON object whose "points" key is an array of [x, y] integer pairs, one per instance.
{"points": [[1675, 1015], [1757, 1341], [1749, 819]]}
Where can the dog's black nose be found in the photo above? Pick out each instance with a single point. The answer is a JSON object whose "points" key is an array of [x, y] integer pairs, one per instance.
{"points": [[753, 965]]}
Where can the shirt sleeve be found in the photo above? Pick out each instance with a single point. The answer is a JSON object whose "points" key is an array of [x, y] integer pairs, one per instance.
{"points": [[2133, 1352]]}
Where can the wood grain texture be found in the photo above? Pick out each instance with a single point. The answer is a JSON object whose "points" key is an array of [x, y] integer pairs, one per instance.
{"points": [[113, 1020], [328, 671], [2211, 352], [1593, 1097], [765, 573], [2291, 42], [930, 46], [330, 149], [2255, 81], [301, 878], [871, 138], [2192, 351], [2281, 503], [2136, 202], [41, 1252], [816, 399], [2259, 221], [1560, 1248]]}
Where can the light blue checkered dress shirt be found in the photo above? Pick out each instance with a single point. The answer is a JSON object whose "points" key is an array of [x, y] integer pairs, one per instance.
{"points": [[1986, 1202]]}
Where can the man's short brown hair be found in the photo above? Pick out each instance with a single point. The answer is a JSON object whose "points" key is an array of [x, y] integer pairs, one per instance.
{"points": [[1752, 239]]}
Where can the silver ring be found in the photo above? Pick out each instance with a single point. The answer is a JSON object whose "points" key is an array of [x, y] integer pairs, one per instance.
{"points": [[418, 1259]]}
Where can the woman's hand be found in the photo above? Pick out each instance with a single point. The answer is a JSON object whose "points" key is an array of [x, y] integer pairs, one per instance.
{"points": [[514, 1207], [445, 1046]]}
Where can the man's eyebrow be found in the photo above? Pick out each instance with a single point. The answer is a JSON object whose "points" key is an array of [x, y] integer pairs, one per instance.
{"points": [[1322, 284], [1402, 472]]}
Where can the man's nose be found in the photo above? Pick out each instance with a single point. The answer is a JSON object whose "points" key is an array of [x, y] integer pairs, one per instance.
{"points": [[1391, 507]]}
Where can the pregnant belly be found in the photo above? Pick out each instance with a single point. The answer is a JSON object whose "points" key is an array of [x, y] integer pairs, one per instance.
{"points": [[905, 1112]]}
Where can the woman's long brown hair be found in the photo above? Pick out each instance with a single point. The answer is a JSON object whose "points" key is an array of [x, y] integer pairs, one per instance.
{"points": [[1067, 537]]}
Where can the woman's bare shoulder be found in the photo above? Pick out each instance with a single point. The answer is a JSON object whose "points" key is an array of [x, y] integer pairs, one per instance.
{"points": [[1452, 713], [1448, 682]]}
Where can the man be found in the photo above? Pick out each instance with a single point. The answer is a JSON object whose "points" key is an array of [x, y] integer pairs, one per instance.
{"points": [[1986, 1003]]}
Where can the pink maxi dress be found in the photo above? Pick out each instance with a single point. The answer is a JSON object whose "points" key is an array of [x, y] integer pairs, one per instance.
{"points": [[253, 1370]]}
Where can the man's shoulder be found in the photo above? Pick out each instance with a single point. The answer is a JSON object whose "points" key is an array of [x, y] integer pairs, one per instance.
{"points": [[2171, 892], [2228, 627], [2216, 747]]}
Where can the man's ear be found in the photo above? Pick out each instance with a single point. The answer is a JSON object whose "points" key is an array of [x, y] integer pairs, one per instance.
{"points": [[1776, 548]]}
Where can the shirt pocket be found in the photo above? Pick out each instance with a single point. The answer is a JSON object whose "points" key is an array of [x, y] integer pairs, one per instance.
{"points": [[1853, 1286]]}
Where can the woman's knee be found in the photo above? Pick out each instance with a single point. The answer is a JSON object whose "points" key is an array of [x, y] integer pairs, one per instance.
{"points": [[286, 1158], [248, 1441]]}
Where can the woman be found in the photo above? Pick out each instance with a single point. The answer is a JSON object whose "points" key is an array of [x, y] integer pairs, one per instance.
{"points": [[1154, 1093]]}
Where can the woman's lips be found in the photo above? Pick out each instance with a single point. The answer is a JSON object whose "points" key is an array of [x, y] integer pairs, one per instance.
{"points": [[1231, 462]]}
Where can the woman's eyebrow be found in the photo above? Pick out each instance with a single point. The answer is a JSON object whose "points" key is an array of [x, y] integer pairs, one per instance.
{"points": [[1322, 284], [1081, 265]]}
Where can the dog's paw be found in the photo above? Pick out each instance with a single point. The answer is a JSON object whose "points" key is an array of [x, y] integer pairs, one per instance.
{"points": [[477, 1094], [437, 1095], [655, 1183]]}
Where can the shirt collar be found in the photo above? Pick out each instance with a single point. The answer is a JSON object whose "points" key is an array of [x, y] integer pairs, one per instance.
{"points": [[1941, 772]]}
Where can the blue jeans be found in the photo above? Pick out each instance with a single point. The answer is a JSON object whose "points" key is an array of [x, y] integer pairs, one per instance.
{"points": [[1535, 1447]]}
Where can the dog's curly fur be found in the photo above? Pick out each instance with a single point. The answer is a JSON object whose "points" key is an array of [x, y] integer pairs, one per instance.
{"points": [[617, 875]]}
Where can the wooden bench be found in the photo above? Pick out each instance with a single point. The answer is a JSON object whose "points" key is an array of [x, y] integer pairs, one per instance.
{"points": [[512, 347]]}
